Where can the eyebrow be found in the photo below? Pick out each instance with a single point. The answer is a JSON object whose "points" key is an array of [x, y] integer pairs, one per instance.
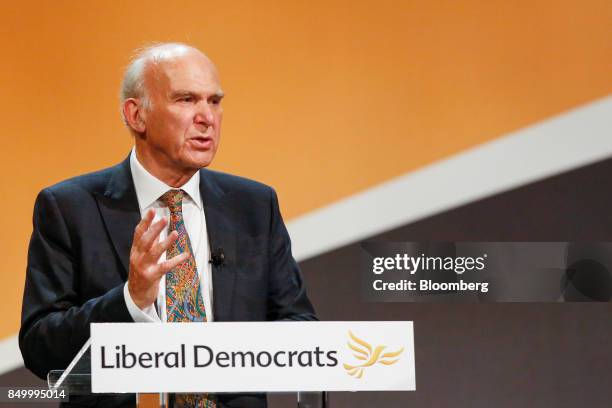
{"points": [[175, 94]]}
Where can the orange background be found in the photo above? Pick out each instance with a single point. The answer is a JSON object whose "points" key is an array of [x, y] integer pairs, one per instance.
{"points": [[324, 99]]}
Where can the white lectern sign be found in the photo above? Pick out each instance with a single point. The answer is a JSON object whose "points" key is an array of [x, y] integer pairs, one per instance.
{"points": [[245, 357]]}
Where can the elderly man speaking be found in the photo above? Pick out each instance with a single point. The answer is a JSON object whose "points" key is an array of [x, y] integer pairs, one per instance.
{"points": [[158, 237]]}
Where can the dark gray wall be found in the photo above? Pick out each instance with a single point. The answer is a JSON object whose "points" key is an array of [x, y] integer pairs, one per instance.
{"points": [[494, 354]]}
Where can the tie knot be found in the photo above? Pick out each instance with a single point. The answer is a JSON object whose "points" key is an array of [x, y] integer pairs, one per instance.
{"points": [[173, 199]]}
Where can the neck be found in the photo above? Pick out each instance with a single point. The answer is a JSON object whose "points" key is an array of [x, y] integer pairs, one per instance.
{"points": [[162, 169]]}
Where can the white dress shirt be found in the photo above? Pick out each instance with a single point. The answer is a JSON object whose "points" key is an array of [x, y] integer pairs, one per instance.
{"points": [[148, 191]]}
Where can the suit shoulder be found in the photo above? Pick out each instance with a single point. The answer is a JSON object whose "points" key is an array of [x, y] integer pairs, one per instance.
{"points": [[230, 183], [89, 183]]}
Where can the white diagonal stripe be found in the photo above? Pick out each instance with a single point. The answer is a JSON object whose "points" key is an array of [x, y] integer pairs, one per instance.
{"points": [[10, 355], [561, 143]]}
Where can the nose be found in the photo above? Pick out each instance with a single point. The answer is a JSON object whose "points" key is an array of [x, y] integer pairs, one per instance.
{"points": [[204, 114]]}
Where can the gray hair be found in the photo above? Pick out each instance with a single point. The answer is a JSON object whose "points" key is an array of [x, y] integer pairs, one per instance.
{"points": [[132, 85]]}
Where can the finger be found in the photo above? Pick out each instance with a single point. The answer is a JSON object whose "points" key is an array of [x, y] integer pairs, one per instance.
{"points": [[144, 225], [149, 237], [160, 247], [166, 266]]}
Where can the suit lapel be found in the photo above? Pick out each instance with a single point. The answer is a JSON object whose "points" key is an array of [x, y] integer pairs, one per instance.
{"points": [[221, 235], [120, 212]]}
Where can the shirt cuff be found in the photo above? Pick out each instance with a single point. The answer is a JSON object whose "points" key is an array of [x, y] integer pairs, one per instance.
{"points": [[146, 315]]}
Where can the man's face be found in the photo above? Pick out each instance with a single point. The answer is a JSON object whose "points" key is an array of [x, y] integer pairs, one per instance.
{"points": [[183, 122]]}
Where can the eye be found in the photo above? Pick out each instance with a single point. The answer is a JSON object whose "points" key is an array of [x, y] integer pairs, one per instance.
{"points": [[186, 98]]}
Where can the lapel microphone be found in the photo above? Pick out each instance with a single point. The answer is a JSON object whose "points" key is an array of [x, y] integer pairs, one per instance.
{"points": [[217, 257]]}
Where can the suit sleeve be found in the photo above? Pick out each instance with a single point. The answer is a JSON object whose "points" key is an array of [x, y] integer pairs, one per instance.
{"points": [[287, 299], [54, 320]]}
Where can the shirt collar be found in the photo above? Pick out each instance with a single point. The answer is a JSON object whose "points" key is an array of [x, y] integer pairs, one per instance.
{"points": [[149, 188]]}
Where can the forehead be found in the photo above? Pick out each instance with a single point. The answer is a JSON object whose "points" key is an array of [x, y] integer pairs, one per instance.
{"points": [[191, 72]]}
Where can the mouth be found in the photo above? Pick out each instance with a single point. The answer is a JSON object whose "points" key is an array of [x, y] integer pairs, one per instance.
{"points": [[201, 142]]}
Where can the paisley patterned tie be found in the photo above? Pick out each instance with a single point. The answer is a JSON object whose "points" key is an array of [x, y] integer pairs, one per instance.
{"points": [[183, 290]]}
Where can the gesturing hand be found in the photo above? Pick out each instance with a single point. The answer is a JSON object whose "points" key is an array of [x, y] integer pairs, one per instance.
{"points": [[145, 271]]}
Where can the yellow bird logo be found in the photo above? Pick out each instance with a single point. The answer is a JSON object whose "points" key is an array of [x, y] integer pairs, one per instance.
{"points": [[364, 351]]}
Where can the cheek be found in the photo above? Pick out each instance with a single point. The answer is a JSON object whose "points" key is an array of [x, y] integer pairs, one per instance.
{"points": [[166, 122], [178, 118], [179, 127]]}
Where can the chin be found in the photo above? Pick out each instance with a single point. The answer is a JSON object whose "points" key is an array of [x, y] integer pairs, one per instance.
{"points": [[199, 162]]}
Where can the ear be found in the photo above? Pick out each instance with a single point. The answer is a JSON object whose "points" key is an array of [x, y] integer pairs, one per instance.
{"points": [[134, 114]]}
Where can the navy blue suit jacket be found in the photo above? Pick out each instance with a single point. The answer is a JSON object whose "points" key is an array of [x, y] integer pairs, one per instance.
{"points": [[78, 262]]}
